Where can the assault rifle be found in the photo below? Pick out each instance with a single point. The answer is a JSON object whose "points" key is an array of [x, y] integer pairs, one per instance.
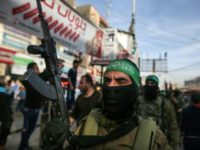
{"points": [[57, 129]]}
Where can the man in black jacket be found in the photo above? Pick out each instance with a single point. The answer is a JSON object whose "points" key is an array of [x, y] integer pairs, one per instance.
{"points": [[190, 124], [33, 104], [5, 115]]}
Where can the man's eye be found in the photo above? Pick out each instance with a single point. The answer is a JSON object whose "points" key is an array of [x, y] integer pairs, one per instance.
{"points": [[122, 82], [106, 80]]}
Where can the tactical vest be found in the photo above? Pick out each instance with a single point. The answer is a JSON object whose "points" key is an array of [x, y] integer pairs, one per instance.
{"points": [[139, 138]]}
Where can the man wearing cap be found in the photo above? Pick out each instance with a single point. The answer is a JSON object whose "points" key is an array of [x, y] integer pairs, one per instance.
{"points": [[160, 109], [116, 126]]}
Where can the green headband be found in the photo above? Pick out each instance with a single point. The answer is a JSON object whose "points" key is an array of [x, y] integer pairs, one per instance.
{"points": [[127, 67], [153, 78]]}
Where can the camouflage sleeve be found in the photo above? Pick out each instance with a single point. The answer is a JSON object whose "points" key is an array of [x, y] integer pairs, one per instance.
{"points": [[160, 141], [173, 133]]}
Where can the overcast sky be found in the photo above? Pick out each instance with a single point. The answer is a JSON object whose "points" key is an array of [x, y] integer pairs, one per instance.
{"points": [[171, 26]]}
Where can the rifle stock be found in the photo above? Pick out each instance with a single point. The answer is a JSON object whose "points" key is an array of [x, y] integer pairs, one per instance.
{"points": [[33, 82]]}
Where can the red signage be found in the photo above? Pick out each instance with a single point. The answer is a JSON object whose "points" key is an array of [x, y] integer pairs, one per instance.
{"points": [[66, 26], [6, 55]]}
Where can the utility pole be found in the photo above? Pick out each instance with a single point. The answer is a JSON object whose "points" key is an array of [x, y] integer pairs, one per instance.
{"points": [[132, 28], [132, 45]]}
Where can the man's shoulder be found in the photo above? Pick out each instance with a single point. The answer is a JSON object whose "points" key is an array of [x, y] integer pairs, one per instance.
{"points": [[147, 131], [71, 70], [80, 97], [97, 93], [188, 109], [161, 141], [159, 138], [166, 103]]}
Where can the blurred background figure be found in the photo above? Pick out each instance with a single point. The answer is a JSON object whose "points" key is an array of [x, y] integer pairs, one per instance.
{"points": [[151, 104], [190, 124], [88, 99], [5, 115], [176, 99], [32, 106], [21, 99], [72, 74]]}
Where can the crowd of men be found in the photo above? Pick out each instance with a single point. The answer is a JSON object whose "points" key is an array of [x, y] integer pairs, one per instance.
{"points": [[122, 115]]}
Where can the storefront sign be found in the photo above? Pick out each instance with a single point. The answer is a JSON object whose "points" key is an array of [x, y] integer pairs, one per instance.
{"points": [[66, 26], [18, 69], [20, 63], [15, 42], [21, 60], [117, 45], [6, 55]]}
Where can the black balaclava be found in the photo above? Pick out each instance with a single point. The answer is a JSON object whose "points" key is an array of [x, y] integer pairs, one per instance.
{"points": [[150, 92], [118, 102]]}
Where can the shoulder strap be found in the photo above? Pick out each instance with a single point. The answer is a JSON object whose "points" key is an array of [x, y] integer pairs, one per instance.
{"points": [[145, 135], [91, 140]]}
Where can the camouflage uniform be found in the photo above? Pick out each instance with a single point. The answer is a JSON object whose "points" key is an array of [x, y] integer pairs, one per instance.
{"points": [[162, 111], [116, 126], [125, 142]]}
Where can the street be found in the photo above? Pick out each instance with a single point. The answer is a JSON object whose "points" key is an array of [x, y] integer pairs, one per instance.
{"points": [[14, 138]]}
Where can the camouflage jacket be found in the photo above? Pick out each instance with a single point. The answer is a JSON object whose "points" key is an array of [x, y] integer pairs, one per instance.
{"points": [[163, 113], [125, 142]]}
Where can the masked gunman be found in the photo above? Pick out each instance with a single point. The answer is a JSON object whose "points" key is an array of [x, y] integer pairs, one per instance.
{"points": [[116, 126], [160, 109]]}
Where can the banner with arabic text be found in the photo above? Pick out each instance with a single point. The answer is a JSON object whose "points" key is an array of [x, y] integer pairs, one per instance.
{"points": [[66, 25]]}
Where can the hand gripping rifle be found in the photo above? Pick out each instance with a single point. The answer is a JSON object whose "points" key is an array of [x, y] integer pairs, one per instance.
{"points": [[57, 129]]}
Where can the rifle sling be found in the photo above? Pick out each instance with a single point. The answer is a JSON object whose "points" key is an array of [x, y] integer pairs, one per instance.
{"points": [[88, 141]]}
